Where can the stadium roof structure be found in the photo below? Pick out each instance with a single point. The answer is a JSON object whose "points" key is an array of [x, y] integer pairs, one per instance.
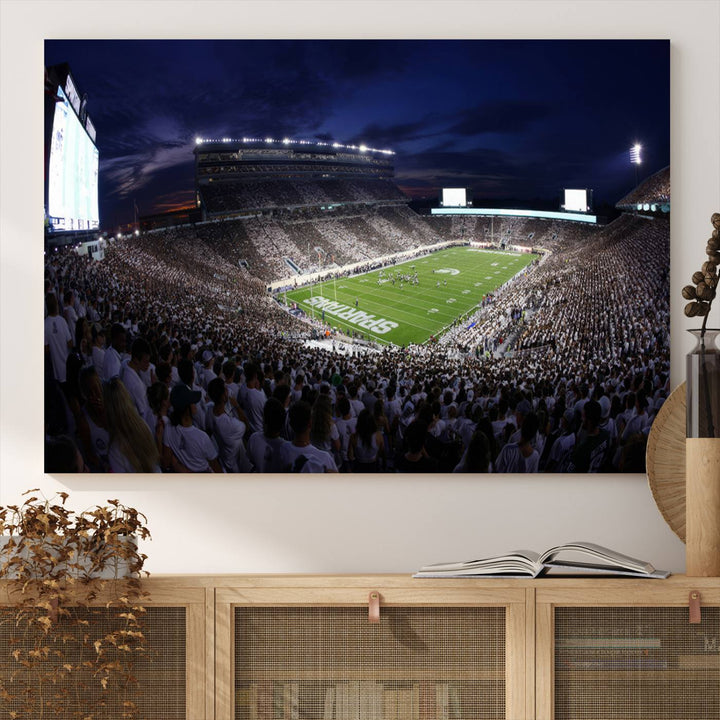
{"points": [[653, 194]]}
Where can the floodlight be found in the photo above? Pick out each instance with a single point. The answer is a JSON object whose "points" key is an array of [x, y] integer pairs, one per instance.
{"points": [[635, 154], [198, 141], [363, 148]]}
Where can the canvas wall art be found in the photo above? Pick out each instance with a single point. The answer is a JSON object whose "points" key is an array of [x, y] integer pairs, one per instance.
{"points": [[355, 256]]}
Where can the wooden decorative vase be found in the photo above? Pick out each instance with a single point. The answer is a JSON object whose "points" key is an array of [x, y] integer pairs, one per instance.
{"points": [[702, 458]]}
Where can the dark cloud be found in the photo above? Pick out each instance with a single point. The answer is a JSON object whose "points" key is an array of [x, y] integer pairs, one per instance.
{"points": [[462, 161], [488, 172], [382, 136], [358, 61], [504, 116]]}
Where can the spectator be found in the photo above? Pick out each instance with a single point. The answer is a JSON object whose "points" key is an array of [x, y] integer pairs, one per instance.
{"points": [[159, 405], [63, 456], [92, 424], [476, 458], [300, 455], [131, 376], [367, 450], [264, 447], [112, 362], [254, 398], [132, 447], [593, 448], [415, 459], [58, 340], [324, 434], [228, 431], [521, 456], [186, 448]]}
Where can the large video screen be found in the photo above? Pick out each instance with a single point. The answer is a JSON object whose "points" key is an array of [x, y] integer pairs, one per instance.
{"points": [[454, 197], [72, 172], [576, 201]]}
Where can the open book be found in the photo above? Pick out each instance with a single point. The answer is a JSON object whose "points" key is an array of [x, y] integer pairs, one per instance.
{"points": [[575, 558]]}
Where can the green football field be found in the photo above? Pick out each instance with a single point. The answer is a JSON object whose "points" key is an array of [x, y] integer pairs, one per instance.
{"points": [[450, 285]]}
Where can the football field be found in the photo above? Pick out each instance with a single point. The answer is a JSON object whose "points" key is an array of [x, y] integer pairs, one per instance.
{"points": [[391, 306]]}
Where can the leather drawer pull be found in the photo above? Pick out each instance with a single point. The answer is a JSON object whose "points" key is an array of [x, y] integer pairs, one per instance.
{"points": [[694, 602], [374, 607]]}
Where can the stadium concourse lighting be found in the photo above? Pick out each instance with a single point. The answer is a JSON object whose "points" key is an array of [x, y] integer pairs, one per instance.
{"points": [[287, 141]]}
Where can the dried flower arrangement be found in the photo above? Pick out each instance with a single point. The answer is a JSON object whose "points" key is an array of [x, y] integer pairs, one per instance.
{"points": [[71, 610], [703, 292], [702, 420]]}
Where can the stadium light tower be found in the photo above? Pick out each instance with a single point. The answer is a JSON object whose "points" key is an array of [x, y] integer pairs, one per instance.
{"points": [[636, 159]]}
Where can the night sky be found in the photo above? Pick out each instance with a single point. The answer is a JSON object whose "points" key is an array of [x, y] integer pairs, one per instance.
{"points": [[510, 119]]}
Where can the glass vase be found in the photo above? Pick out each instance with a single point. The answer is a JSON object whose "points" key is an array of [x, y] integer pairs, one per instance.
{"points": [[703, 386]]}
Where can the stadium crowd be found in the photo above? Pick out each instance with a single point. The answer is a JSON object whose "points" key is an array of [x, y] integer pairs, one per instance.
{"points": [[655, 190], [168, 355], [224, 197]]}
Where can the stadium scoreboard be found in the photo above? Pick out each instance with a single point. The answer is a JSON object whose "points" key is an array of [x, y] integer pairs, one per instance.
{"points": [[71, 157], [577, 200], [454, 197]]}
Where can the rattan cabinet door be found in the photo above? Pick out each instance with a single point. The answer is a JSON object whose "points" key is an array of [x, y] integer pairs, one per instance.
{"points": [[627, 655], [332, 663], [328, 662], [627, 662]]}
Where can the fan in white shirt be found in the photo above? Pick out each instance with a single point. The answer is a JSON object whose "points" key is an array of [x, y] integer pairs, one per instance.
{"points": [[112, 362], [131, 375], [228, 431], [186, 448], [58, 340], [264, 446]]}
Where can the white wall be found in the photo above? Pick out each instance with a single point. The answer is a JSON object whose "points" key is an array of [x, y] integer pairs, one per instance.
{"points": [[346, 524]]}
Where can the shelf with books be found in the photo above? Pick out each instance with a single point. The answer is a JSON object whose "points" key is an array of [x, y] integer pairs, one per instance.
{"points": [[632, 655], [434, 654], [351, 700]]}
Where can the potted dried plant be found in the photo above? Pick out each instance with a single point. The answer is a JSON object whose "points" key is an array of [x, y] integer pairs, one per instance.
{"points": [[71, 608], [703, 369], [702, 477]]}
